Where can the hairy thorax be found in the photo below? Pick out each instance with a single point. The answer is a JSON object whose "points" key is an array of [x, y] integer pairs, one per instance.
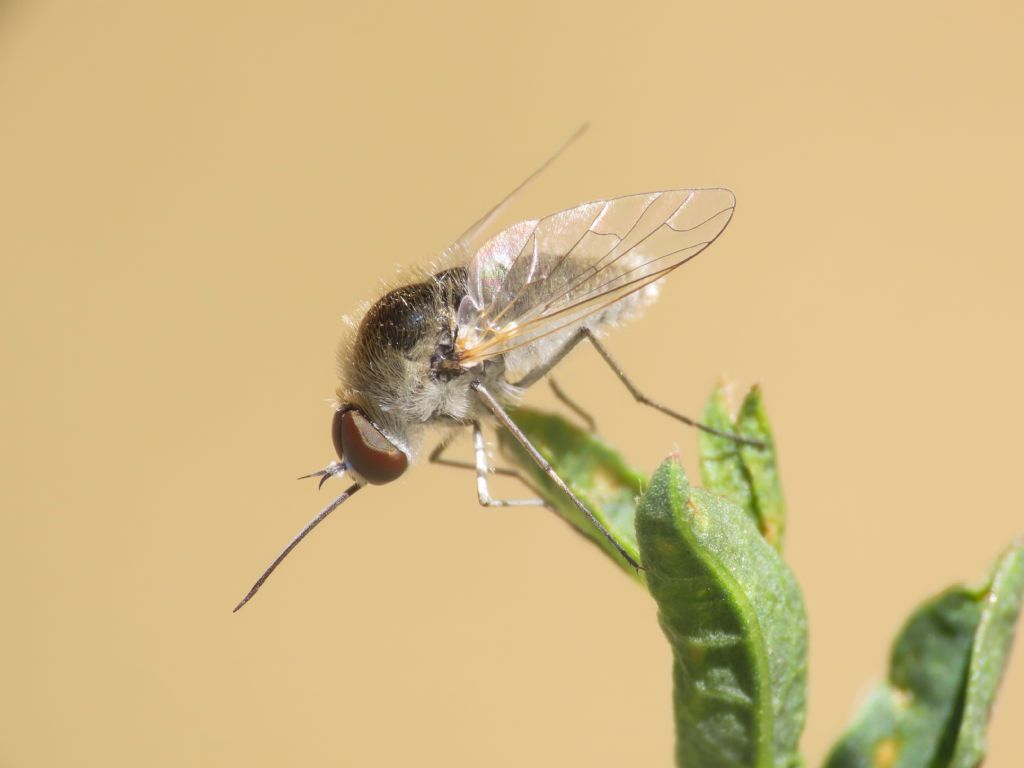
{"points": [[401, 366]]}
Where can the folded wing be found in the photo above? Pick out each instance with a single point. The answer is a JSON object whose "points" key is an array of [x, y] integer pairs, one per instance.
{"points": [[536, 283]]}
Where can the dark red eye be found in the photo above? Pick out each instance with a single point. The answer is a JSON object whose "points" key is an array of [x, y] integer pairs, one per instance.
{"points": [[366, 450], [339, 447]]}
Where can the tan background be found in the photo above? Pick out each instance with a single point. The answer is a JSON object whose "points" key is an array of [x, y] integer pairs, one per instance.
{"points": [[192, 194]]}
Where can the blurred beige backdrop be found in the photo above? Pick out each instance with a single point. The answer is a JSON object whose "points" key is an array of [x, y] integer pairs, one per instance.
{"points": [[192, 195]]}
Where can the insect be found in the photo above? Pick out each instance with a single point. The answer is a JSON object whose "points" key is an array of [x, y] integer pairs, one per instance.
{"points": [[447, 352]]}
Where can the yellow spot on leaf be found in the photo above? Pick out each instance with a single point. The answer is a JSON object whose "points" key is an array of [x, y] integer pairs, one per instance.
{"points": [[885, 754], [699, 518]]}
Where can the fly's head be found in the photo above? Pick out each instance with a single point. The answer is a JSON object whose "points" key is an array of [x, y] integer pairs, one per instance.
{"points": [[364, 448]]}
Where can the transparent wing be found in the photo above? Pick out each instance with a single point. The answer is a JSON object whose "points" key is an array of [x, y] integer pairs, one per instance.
{"points": [[585, 265]]}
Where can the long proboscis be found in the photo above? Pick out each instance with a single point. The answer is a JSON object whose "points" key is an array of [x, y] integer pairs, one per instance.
{"points": [[294, 542]]}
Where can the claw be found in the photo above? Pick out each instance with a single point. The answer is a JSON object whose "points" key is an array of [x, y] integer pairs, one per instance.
{"points": [[331, 470]]}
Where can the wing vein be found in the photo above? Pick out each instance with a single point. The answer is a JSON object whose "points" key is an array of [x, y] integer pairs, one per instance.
{"points": [[623, 246]]}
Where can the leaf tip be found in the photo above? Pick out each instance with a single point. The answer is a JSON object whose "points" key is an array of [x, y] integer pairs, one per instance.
{"points": [[672, 468]]}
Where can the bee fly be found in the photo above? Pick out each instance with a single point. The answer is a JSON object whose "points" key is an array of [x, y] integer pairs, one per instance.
{"points": [[455, 348]]}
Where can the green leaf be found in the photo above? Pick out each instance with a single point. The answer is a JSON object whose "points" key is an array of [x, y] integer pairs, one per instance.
{"points": [[989, 654], [594, 472], [745, 474], [734, 617], [944, 671]]}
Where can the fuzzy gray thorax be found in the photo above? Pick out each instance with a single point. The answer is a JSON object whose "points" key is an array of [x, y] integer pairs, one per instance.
{"points": [[395, 367]]}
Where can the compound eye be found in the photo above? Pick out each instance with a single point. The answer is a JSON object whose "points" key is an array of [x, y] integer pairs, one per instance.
{"points": [[339, 446], [367, 451]]}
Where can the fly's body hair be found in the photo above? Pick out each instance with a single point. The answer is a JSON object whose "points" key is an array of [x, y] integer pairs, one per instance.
{"points": [[392, 366]]}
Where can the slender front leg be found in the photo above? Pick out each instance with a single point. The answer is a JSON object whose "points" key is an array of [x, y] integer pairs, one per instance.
{"points": [[481, 459], [483, 468], [495, 407], [437, 457]]}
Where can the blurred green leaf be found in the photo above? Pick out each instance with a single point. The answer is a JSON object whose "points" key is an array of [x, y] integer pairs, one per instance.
{"points": [[989, 654], [735, 620], [944, 671], [594, 472], [745, 474]]}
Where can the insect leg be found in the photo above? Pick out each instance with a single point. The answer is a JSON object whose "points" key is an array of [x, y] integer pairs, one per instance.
{"points": [[541, 371], [483, 468], [572, 405], [585, 333], [436, 457], [506, 421], [640, 397]]}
